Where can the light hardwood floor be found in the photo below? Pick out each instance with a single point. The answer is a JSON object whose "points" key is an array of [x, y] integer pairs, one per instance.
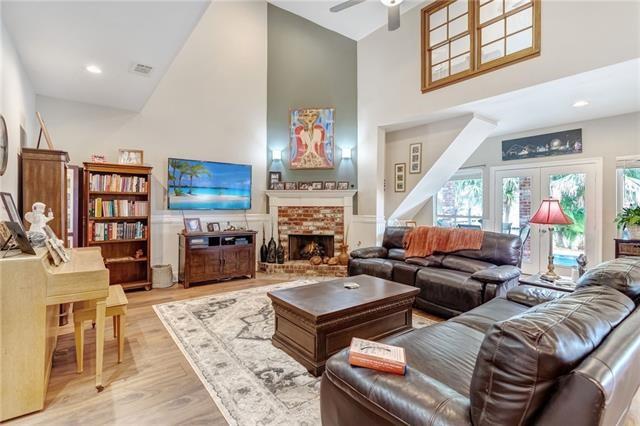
{"points": [[154, 385]]}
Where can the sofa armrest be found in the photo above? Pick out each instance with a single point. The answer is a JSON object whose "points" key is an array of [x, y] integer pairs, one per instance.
{"points": [[497, 275], [529, 295], [369, 253]]}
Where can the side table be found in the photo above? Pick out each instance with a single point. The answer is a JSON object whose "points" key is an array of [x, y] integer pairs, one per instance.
{"points": [[536, 281]]}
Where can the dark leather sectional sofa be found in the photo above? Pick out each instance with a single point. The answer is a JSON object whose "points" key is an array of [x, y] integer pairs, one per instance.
{"points": [[449, 284], [535, 356]]}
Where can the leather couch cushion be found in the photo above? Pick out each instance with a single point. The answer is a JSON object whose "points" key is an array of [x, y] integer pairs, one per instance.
{"points": [[396, 254], [529, 295], [369, 253], [499, 249], [497, 275], [448, 288], [393, 237], [405, 273], [433, 260], [522, 358], [487, 314], [381, 268], [464, 264], [623, 274]]}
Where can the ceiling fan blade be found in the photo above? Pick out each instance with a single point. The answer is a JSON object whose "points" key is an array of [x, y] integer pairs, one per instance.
{"points": [[345, 5], [394, 18]]}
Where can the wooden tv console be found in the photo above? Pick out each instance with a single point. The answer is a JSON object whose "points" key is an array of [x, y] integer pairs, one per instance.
{"points": [[215, 256]]}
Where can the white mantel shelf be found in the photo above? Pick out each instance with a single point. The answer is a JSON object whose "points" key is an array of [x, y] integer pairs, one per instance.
{"points": [[317, 194]]}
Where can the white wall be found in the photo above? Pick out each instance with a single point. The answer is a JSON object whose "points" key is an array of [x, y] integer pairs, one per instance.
{"points": [[210, 105], [576, 36], [17, 105]]}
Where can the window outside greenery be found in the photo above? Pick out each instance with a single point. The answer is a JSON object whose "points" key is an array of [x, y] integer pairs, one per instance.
{"points": [[459, 202]]}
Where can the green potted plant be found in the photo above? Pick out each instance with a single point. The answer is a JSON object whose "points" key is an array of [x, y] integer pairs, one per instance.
{"points": [[629, 219]]}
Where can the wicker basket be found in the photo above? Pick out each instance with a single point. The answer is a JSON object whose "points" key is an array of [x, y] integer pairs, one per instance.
{"points": [[162, 276]]}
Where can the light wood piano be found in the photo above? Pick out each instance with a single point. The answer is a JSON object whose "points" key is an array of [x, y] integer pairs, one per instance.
{"points": [[31, 288]]}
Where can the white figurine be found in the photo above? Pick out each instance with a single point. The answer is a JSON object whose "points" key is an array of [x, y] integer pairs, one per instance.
{"points": [[37, 219]]}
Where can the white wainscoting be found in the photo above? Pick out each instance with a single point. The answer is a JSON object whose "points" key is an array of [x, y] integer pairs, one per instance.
{"points": [[364, 231]]}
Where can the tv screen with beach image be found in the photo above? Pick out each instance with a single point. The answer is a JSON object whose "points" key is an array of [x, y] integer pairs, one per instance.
{"points": [[205, 185]]}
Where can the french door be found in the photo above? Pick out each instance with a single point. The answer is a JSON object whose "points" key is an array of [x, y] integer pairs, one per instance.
{"points": [[518, 193]]}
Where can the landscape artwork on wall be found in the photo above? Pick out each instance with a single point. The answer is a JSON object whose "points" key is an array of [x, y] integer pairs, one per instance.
{"points": [[311, 144], [551, 144]]}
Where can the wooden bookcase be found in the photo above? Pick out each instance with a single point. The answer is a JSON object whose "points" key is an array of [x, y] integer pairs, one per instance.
{"points": [[119, 254]]}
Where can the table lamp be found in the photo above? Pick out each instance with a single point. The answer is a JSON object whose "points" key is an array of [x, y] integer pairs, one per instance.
{"points": [[550, 213]]}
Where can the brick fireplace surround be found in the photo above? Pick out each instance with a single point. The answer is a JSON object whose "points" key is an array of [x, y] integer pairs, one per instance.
{"points": [[310, 213]]}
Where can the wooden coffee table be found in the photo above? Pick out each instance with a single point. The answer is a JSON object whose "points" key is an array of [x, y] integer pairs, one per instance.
{"points": [[315, 321]]}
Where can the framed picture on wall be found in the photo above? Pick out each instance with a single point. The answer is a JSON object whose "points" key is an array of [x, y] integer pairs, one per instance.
{"points": [[400, 174], [415, 158], [275, 177], [311, 141]]}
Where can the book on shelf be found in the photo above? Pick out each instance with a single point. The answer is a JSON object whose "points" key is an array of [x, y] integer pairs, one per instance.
{"points": [[377, 356], [117, 208], [117, 183], [99, 231]]}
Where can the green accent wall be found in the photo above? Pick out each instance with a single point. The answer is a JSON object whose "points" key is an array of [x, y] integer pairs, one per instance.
{"points": [[310, 66]]}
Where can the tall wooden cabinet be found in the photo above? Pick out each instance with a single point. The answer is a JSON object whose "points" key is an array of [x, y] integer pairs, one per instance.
{"points": [[114, 220], [43, 177]]}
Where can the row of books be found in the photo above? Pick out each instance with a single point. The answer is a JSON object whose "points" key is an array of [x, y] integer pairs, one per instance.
{"points": [[117, 208], [116, 231], [117, 183]]}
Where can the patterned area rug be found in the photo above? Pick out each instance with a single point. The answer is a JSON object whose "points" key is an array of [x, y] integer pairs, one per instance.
{"points": [[227, 340]]}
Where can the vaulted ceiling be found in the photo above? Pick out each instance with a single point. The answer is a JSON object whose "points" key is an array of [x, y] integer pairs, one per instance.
{"points": [[58, 39]]}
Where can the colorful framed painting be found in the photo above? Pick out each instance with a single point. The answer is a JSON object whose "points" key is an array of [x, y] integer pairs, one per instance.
{"points": [[311, 138]]}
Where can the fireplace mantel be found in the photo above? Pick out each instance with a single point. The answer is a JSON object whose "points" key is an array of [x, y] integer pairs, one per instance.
{"points": [[320, 195]]}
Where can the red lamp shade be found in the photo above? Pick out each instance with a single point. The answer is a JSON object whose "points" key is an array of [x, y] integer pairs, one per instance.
{"points": [[550, 213]]}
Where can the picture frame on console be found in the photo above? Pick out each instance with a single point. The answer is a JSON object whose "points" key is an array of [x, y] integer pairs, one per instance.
{"points": [[131, 156], [277, 186], [317, 186], [192, 224], [343, 186], [213, 226], [304, 186], [11, 209], [275, 177], [291, 186]]}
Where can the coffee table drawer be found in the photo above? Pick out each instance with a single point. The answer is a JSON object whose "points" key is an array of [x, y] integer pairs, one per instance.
{"points": [[301, 339], [372, 329]]}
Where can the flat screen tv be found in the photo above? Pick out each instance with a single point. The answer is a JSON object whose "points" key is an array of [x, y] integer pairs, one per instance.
{"points": [[207, 185]]}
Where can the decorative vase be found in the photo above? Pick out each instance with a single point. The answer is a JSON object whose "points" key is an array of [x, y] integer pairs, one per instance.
{"points": [[343, 257], [634, 232], [280, 253], [263, 248], [271, 249]]}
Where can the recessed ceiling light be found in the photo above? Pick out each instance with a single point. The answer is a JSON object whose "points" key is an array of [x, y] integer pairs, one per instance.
{"points": [[580, 103], [93, 69]]}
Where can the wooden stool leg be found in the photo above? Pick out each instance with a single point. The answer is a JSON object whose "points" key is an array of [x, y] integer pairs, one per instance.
{"points": [[115, 326], [121, 327], [79, 333], [101, 307]]}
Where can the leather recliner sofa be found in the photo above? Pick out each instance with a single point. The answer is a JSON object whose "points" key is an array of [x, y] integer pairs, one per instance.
{"points": [[449, 283], [535, 357]]}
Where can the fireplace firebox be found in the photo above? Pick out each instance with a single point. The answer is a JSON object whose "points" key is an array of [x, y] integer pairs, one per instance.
{"points": [[304, 246]]}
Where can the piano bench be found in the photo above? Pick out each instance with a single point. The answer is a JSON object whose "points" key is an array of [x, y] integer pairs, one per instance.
{"points": [[86, 311]]}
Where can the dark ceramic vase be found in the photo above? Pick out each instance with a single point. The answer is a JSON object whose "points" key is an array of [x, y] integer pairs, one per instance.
{"points": [[263, 249], [280, 253], [271, 251]]}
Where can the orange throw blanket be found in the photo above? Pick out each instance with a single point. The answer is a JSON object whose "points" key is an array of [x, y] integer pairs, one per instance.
{"points": [[423, 241]]}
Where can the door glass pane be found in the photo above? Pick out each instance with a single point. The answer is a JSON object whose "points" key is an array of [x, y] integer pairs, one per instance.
{"points": [[490, 10], [437, 36], [458, 8], [493, 32], [440, 71], [461, 63], [516, 209], [493, 51], [519, 41], [438, 18], [460, 46], [440, 54], [519, 21], [458, 26], [569, 240]]}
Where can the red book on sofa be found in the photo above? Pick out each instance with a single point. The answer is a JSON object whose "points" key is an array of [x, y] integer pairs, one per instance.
{"points": [[377, 356]]}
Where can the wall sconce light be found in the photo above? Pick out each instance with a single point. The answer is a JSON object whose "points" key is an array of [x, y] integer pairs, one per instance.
{"points": [[276, 155], [346, 153]]}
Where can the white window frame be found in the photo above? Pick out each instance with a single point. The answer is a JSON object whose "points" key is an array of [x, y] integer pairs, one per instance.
{"points": [[625, 162], [464, 173]]}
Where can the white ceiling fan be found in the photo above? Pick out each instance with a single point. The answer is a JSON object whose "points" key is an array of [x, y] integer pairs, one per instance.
{"points": [[393, 7]]}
